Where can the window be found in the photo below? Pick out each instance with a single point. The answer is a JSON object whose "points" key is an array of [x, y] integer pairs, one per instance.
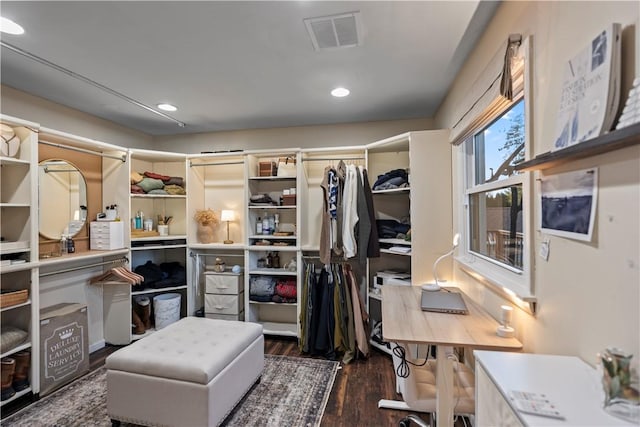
{"points": [[495, 197], [495, 190]]}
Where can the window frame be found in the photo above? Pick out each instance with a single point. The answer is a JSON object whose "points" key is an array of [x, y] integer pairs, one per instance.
{"points": [[499, 276]]}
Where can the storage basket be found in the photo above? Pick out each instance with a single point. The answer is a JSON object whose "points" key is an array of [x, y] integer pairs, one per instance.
{"points": [[7, 299], [166, 308]]}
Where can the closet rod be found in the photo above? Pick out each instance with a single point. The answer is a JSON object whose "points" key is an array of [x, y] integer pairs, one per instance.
{"points": [[238, 162], [97, 264], [216, 255], [123, 158], [331, 159], [47, 170]]}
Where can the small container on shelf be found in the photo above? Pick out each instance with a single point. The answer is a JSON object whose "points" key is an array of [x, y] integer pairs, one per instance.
{"points": [[289, 200], [267, 168]]}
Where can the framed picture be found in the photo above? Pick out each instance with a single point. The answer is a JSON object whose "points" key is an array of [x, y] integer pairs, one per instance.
{"points": [[568, 204]]}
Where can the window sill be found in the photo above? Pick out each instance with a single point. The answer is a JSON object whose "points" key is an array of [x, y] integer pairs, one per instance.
{"points": [[516, 294]]}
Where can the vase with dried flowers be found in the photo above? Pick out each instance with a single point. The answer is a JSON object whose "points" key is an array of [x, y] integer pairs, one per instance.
{"points": [[207, 220]]}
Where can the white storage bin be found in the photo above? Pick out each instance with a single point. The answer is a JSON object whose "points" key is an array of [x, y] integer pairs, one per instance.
{"points": [[223, 304], [223, 283], [166, 309]]}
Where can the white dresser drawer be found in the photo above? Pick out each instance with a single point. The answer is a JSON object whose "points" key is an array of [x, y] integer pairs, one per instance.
{"points": [[224, 316], [223, 304], [107, 235], [223, 283]]}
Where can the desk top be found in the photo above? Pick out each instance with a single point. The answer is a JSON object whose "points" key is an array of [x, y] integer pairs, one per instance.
{"points": [[574, 387], [404, 321]]}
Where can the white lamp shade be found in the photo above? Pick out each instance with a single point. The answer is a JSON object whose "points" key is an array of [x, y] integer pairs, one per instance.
{"points": [[227, 215]]}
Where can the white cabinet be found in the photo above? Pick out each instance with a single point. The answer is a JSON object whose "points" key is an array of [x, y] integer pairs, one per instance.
{"points": [[424, 205], [149, 247], [107, 235], [19, 248], [273, 200], [570, 384]]}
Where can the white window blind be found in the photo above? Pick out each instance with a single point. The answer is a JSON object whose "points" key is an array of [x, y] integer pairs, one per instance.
{"points": [[485, 101]]}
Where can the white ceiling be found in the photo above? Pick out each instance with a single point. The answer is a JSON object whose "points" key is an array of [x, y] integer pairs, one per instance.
{"points": [[239, 65]]}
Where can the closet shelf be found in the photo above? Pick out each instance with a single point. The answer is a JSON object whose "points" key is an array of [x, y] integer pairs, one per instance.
{"points": [[271, 207], [19, 267], [395, 241], [18, 395], [16, 349], [389, 251], [12, 307], [614, 140], [230, 246], [272, 248], [15, 205], [13, 161], [273, 272], [272, 178], [392, 191], [277, 328], [149, 247], [272, 237], [158, 290], [292, 304], [158, 196]]}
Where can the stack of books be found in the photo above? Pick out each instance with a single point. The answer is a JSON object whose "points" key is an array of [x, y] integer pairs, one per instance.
{"points": [[631, 112]]}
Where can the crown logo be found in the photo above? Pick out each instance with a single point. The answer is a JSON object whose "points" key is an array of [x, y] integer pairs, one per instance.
{"points": [[66, 333]]}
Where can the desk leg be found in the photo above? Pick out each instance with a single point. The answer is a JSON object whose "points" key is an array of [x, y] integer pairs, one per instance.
{"points": [[444, 384]]}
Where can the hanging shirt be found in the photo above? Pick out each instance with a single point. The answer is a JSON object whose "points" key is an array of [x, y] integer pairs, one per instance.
{"points": [[350, 212]]}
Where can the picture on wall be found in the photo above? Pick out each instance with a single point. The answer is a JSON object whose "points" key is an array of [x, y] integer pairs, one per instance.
{"points": [[568, 204]]}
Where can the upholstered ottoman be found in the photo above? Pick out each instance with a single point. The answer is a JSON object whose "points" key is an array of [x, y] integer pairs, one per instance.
{"points": [[191, 373]]}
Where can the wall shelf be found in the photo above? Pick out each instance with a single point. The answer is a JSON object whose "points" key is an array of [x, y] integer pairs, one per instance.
{"points": [[614, 140]]}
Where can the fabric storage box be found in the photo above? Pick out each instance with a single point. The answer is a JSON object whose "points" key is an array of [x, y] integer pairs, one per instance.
{"points": [[223, 304], [223, 283], [267, 169], [64, 345]]}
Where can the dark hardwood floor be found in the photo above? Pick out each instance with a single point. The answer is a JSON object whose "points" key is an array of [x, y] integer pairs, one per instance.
{"points": [[354, 397]]}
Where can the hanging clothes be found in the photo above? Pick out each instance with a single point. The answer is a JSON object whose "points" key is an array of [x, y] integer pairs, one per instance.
{"points": [[329, 228], [350, 212], [373, 247], [327, 318]]}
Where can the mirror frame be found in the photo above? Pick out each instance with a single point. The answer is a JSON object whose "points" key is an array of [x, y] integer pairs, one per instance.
{"points": [[83, 217]]}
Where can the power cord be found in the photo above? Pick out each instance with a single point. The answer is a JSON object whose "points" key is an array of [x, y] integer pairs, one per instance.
{"points": [[403, 370]]}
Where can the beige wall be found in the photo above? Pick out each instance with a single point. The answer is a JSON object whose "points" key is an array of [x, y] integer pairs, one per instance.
{"points": [[588, 293], [64, 119], [292, 137]]}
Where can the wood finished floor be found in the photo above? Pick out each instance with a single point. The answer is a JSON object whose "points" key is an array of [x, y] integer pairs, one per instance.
{"points": [[354, 398]]}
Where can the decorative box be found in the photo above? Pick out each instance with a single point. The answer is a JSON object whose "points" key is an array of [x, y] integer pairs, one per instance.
{"points": [[267, 169], [288, 200]]}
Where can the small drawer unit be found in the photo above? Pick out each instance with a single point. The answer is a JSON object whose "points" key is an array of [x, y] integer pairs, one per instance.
{"points": [[224, 296], [107, 235]]}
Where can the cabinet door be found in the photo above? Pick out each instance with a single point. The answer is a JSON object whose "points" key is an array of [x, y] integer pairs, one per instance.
{"points": [[492, 410]]}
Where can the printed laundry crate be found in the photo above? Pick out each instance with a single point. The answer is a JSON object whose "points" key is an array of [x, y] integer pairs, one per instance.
{"points": [[64, 345]]}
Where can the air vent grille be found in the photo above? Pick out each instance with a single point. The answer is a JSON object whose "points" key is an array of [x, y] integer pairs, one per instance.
{"points": [[335, 31]]}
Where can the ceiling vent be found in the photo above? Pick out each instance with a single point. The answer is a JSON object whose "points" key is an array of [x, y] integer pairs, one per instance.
{"points": [[335, 31]]}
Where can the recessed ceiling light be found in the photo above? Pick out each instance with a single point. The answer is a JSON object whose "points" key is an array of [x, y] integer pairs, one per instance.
{"points": [[10, 27], [339, 92], [167, 107]]}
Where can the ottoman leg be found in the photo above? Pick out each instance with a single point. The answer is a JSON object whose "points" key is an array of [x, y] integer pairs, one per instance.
{"points": [[115, 423], [258, 380]]}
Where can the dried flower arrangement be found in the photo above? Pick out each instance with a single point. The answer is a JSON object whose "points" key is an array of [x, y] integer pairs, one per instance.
{"points": [[206, 217]]}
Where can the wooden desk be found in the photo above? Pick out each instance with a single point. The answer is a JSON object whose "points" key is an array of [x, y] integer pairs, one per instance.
{"points": [[404, 321]]}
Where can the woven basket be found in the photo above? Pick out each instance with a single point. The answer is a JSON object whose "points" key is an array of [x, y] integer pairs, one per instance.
{"points": [[13, 298]]}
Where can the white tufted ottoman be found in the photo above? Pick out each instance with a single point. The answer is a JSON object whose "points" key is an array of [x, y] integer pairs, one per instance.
{"points": [[191, 373]]}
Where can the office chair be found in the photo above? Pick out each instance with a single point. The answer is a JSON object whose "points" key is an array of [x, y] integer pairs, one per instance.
{"points": [[419, 388]]}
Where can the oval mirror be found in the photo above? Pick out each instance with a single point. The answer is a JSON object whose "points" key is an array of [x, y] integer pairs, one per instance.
{"points": [[63, 199]]}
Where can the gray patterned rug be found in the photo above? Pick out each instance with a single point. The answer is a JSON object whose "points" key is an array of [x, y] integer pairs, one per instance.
{"points": [[293, 392]]}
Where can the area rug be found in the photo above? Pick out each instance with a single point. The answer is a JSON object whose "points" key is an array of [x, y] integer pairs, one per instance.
{"points": [[293, 391]]}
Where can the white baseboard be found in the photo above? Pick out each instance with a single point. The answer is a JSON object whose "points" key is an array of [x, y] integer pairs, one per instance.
{"points": [[97, 346]]}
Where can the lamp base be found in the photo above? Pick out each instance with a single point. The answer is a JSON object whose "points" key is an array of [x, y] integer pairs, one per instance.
{"points": [[228, 242], [433, 287], [505, 331]]}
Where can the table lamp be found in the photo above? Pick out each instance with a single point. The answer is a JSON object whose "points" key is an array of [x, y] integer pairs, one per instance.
{"points": [[227, 215], [505, 329], [436, 286]]}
